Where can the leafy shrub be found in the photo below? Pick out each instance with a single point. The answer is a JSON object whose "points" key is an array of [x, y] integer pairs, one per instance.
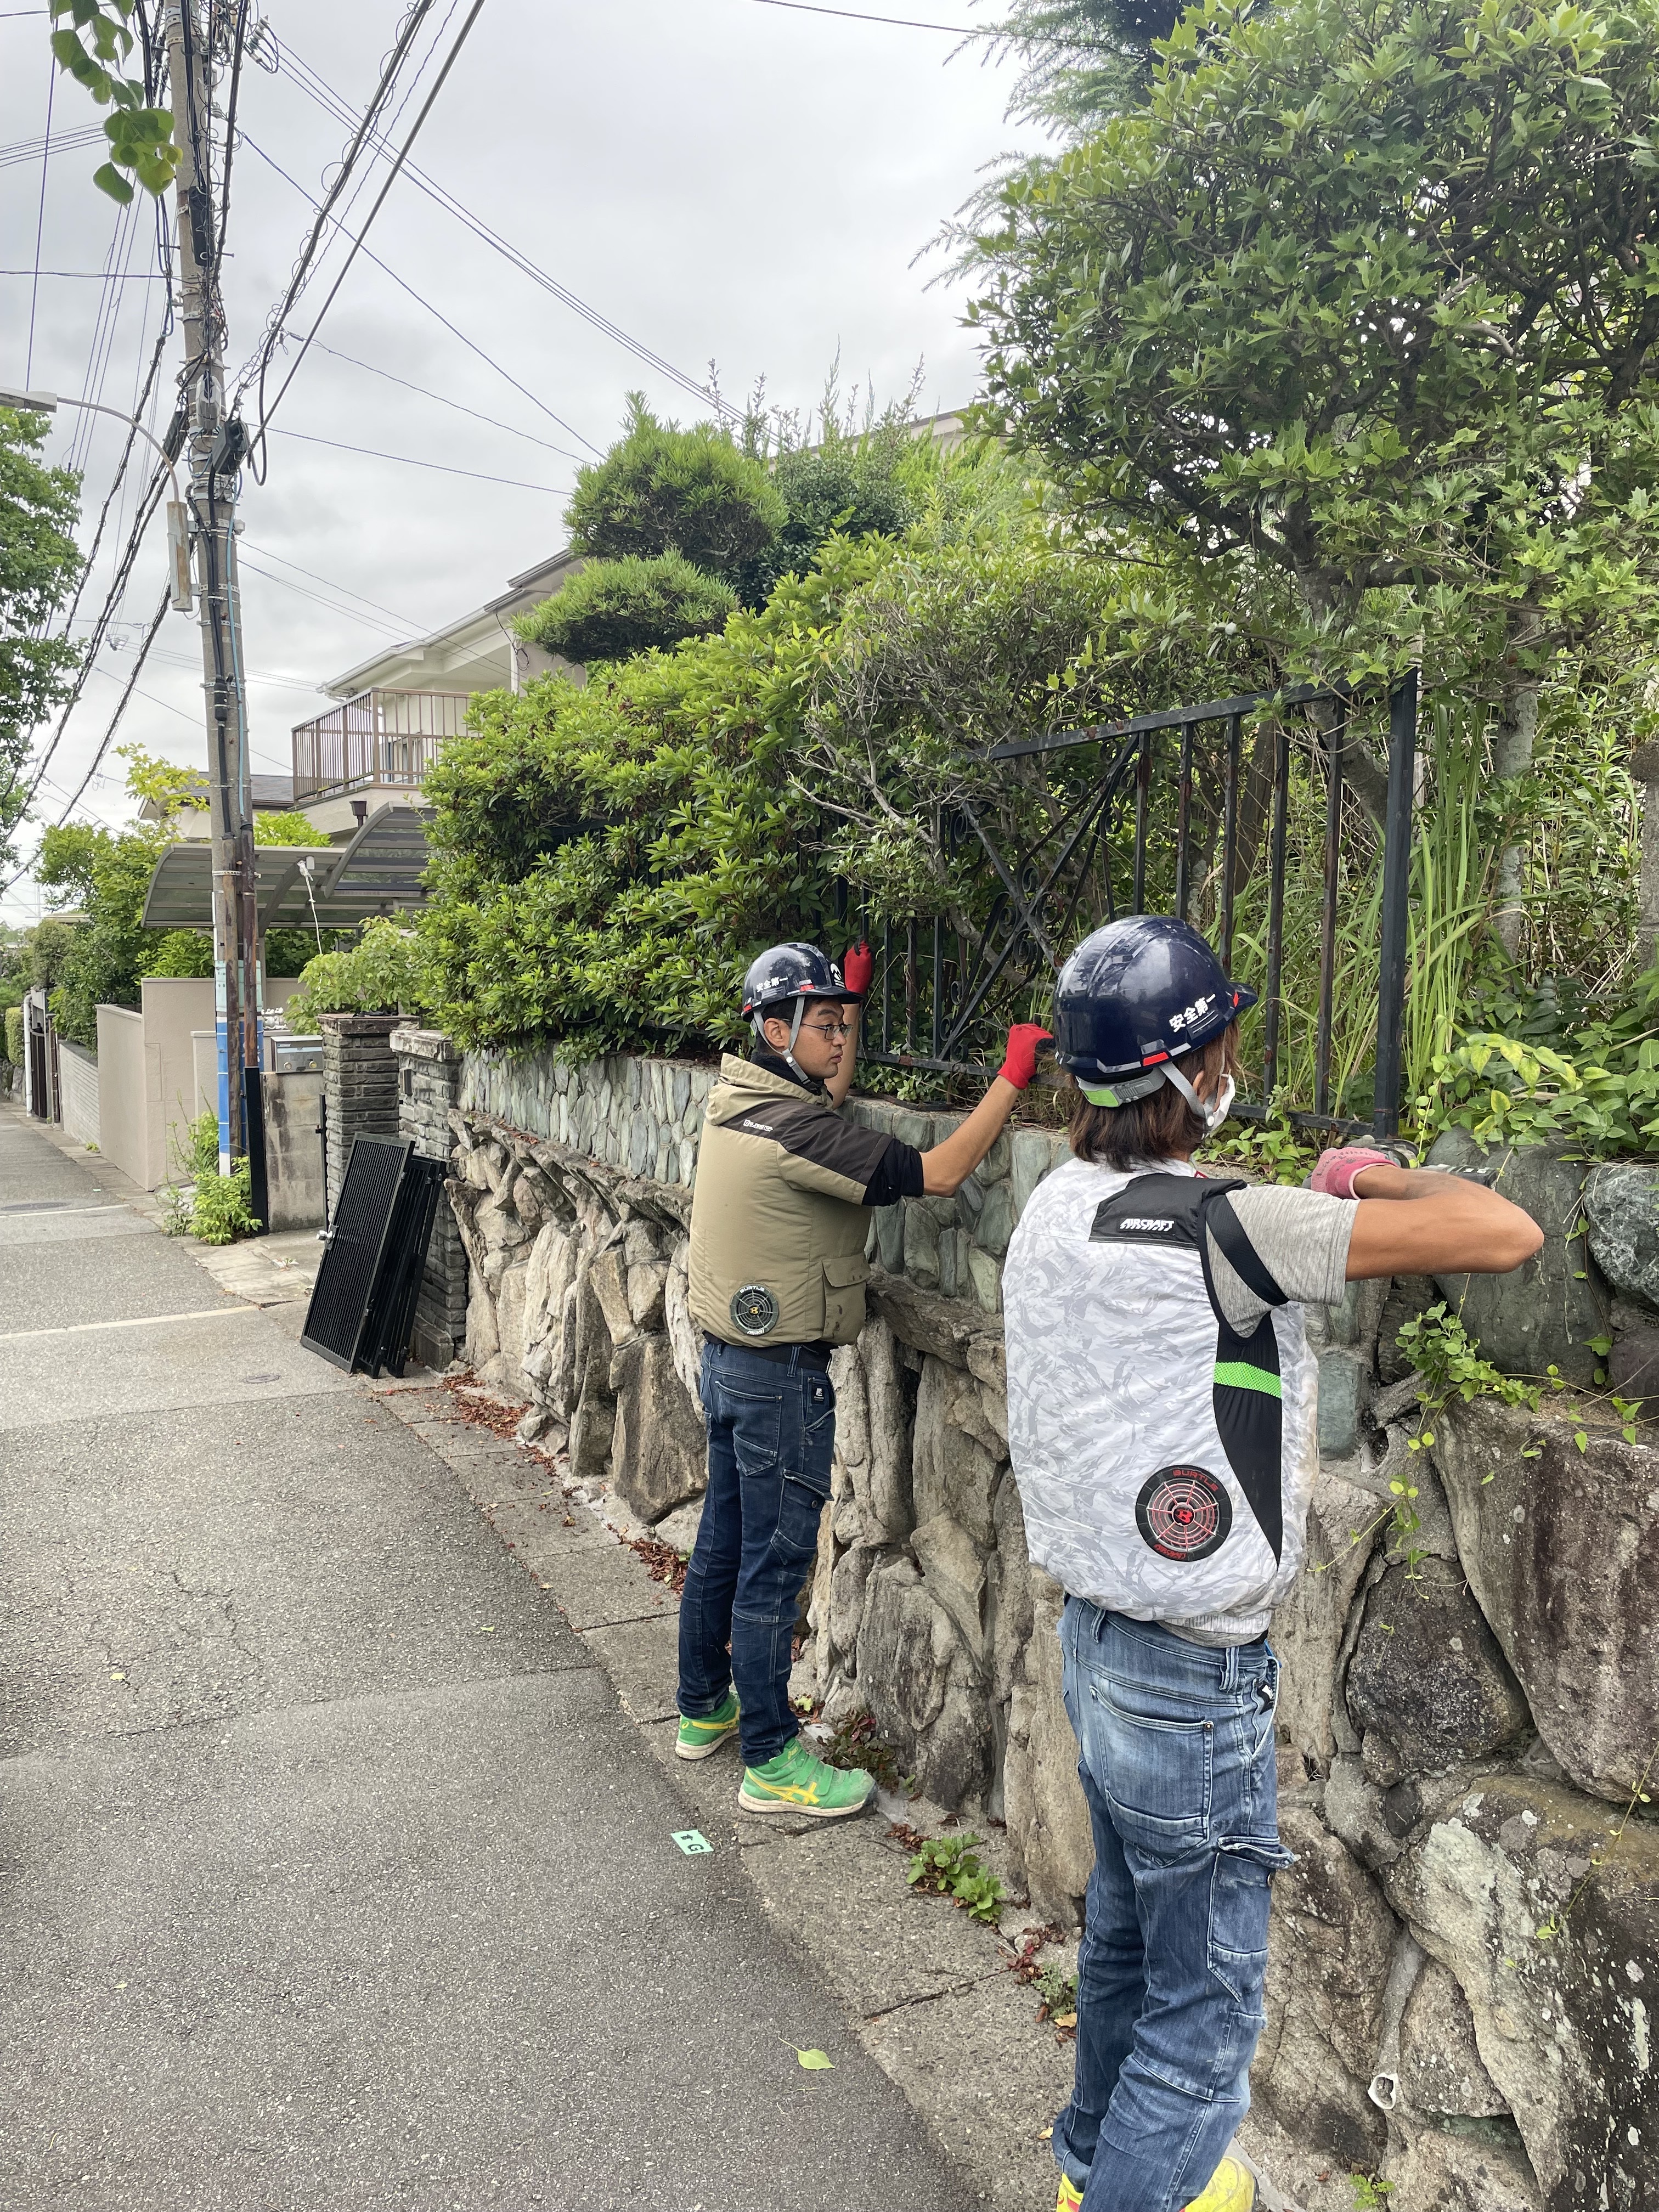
{"points": [[1597, 1085], [14, 1036], [214, 1208], [382, 973], [661, 489], [612, 609]]}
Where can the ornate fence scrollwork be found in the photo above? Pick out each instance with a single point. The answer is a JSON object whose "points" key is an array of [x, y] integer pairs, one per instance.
{"points": [[1196, 828]]}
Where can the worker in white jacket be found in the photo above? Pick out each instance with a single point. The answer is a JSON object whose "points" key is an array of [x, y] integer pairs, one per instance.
{"points": [[1162, 1422]]}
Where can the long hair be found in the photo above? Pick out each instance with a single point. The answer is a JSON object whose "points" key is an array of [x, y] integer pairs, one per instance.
{"points": [[1156, 1127]]}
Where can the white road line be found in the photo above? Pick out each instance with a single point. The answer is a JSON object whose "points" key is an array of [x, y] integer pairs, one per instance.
{"points": [[27, 1212], [144, 1321]]}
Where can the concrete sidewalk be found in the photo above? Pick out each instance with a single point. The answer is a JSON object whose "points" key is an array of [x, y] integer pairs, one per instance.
{"points": [[335, 1871]]}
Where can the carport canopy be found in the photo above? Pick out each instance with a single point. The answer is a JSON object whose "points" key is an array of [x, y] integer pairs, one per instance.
{"points": [[336, 887]]}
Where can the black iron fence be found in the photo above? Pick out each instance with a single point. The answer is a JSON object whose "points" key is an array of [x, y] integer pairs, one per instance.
{"points": [[1235, 814]]}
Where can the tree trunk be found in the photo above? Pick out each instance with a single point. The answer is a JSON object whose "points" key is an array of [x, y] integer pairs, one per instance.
{"points": [[1511, 759], [1511, 755]]}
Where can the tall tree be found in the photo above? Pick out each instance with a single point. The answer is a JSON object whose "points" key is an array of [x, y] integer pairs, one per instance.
{"points": [[1367, 292], [39, 561], [1081, 61]]}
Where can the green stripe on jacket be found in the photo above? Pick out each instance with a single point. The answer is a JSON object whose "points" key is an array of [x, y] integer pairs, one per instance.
{"points": [[1240, 1376]]}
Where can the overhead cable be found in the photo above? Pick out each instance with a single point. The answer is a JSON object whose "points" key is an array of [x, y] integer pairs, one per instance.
{"points": [[155, 621], [421, 300], [410, 462], [22, 150], [443, 400], [267, 410], [368, 622], [1000, 32], [521, 261], [278, 315], [40, 216], [230, 114], [327, 582], [147, 507], [89, 275]]}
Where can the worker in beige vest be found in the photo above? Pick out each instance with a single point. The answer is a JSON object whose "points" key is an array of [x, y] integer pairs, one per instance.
{"points": [[779, 1225]]}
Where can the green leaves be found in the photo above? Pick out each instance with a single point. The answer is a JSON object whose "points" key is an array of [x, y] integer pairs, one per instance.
{"points": [[1349, 297], [1599, 1087], [91, 47], [951, 1865]]}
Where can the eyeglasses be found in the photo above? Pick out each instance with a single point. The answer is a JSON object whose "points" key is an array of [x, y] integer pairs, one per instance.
{"points": [[828, 1029]]}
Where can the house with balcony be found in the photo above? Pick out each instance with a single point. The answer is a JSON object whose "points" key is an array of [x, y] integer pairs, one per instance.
{"points": [[393, 711]]}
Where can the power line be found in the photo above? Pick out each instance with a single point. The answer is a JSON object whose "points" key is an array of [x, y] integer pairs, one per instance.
{"points": [[147, 505], [156, 619], [367, 621], [90, 276], [420, 301], [427, 105], [410, 462], [546, 444], [188, 661], [898, 23], [40, 217], [308, 251], [22, 150], [327, 582], [327, 98]]}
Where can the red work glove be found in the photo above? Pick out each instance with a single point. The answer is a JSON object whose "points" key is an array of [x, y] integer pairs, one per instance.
{"points": [[1335, 1172], [1024, 1040], [858, 967]]}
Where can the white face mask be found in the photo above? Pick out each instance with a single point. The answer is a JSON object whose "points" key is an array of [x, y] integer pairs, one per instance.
{"points": [[1211, 1117]]}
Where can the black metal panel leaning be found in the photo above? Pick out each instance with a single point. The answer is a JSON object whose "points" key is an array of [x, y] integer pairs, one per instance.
{"points": [[362, 1307]]}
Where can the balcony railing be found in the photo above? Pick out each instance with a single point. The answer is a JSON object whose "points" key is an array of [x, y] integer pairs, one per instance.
{"points": [[378, 738]]}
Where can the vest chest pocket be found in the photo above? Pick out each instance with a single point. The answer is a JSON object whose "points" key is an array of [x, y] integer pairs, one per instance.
{"points": [[844, 1278]]}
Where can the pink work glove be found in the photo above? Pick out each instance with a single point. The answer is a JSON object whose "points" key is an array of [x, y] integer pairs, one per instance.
{"points": [[1335, 1172], [858, 967], [1020, 1065]]}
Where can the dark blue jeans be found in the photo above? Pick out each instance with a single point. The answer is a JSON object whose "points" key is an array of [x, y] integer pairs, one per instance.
{"points": [[771, 1430], [1178, 1768]]}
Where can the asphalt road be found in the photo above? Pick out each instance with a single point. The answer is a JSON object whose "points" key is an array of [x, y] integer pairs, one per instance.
{"points": [[332, 1873]]}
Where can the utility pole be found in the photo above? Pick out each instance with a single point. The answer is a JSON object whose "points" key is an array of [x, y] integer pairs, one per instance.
{"points": [[215, 448]]}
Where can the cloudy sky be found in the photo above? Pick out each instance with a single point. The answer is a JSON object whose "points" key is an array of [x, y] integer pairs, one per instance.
{"points": [[723, 179]]}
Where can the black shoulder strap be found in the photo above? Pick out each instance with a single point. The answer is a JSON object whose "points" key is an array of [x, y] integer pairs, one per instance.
{"points": [[1223, 1225]]}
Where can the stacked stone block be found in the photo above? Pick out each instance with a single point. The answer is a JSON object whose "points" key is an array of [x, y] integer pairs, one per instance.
{"points": [[1463, 1955], [360, 1085], [428, 1084]]}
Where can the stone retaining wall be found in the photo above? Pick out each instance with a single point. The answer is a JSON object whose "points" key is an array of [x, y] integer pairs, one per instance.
{"points": [[1459, 1991]]}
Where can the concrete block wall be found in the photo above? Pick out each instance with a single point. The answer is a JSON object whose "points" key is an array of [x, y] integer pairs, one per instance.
{"points": [[359, 1083], [78, 1079], [428, 1086]]}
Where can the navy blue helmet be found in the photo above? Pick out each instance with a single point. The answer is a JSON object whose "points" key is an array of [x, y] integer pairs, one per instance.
{"points": [[792, 972], [1134, 995]]}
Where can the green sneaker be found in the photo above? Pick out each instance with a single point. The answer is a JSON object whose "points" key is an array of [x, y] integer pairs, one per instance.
{"points": [[697, 1739], [795, 1782]]}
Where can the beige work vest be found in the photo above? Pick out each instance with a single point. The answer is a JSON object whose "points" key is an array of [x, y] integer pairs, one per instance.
{"points": [[778, 1227]]}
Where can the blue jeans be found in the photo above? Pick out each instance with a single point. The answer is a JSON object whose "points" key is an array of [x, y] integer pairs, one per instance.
{"points": [[1178, 1769], [771, 1431]]}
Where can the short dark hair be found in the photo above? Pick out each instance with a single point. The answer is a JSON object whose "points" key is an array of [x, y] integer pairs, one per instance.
{"points": [[1155, 1127]]}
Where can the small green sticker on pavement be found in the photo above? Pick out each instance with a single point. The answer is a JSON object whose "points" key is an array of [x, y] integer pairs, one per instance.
{"points": [[691, 1841]]}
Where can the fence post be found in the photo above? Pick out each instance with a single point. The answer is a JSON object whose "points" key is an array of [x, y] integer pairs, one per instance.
{"points": [[1396, 890]]}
